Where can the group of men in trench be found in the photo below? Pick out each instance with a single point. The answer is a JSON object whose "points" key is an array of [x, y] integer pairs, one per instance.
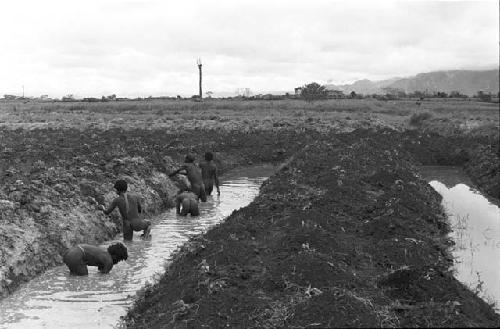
{"points": [[202, 179]]}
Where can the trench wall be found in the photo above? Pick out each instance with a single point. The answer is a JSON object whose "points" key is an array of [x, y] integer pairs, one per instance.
{"points": [[479, 155], [52, 182], [346, 234]]}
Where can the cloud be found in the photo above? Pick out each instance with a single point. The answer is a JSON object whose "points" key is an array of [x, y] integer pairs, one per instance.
{"points": [[150, 47]]}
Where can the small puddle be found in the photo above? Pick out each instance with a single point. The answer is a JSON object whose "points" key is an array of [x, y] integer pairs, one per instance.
{"points": [[55, 299], [475, 224]]}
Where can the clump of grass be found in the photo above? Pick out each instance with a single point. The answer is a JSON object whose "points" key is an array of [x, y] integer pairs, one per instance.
{"points": [[72, 108], [417, 119]]}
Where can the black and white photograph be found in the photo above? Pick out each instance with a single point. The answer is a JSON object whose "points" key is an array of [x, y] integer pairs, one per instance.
{"points": [[249, 164]]}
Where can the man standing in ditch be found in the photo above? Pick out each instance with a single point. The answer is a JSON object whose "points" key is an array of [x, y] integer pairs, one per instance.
{"points": [[209, 174], [129, 206], [194, 176]]}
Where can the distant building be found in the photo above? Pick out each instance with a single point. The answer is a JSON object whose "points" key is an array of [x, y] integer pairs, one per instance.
{"points": [[68, 98], [298, 91], [91, 99], [335, 94]]}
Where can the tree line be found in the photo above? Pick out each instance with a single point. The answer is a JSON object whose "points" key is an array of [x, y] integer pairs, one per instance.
{"points": [[315, 91]]}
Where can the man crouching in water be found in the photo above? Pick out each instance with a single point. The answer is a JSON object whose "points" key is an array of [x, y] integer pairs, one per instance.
{"points": [[189, 202], [130, 208], [194, 176], [80, 256]]}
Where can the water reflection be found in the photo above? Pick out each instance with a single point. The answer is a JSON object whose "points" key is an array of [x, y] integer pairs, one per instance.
{"points": [[57, 300], [475, 224], [449, 176]]}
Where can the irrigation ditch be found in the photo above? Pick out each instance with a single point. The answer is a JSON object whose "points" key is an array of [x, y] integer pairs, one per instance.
{"points": [[346, 233]]}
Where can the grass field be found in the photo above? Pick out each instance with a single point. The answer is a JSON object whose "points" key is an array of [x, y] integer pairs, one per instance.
{"points": [[178, 115]]}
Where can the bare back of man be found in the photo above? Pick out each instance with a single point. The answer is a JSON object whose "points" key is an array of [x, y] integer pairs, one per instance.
{"points": [[130, 207], [187, 203], [193, 174], [196, 180], [80, 256], [209, 175]]}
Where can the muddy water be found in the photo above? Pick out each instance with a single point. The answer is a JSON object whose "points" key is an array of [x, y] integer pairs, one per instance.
{"points": [[475, 224], [57, 300]]}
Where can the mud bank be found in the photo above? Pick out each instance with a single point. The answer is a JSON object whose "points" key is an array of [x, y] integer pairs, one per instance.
{"points": [[478, 154], [55, 209], [53, 180], [345, 235]]}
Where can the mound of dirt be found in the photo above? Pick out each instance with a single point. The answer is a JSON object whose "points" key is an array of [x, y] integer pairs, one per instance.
{"points": [[345, 234], [343, 213]]}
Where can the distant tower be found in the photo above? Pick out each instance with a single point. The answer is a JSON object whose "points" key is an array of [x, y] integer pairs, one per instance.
{"points": [[198, 61]]}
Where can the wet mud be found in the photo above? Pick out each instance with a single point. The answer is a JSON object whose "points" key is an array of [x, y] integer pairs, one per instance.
{"points": [[53, 180], [346, 234], [346, 228], [98, 301]]}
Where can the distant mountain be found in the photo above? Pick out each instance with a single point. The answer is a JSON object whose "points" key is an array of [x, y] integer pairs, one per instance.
{"points": [[464, 81], [365, 86]]}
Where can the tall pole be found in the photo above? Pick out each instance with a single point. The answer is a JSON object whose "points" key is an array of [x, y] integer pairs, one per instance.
{"points": [[199, 69]]}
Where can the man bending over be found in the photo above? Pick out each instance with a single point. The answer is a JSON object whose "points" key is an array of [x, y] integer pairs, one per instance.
{"points": [[80, 256], [189, 203], [194, 176]]}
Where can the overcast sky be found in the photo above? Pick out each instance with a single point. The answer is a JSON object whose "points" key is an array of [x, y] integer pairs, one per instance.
{"points": [[149, 47]]}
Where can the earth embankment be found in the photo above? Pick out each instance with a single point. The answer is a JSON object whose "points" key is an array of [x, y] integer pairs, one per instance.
{"points": [[53, 180], [346, 234], [478, 154]]}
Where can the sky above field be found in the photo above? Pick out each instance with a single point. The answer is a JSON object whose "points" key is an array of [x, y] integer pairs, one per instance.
{"points": [[140, 47]]}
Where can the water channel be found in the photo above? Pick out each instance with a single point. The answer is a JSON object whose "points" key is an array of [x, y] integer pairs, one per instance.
{"points": [[57, 300], [475, 224]]}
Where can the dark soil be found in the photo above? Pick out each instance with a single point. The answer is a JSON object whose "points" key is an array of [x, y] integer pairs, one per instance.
{"points": [[478, 154], [346, 234], [52, 180]]}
